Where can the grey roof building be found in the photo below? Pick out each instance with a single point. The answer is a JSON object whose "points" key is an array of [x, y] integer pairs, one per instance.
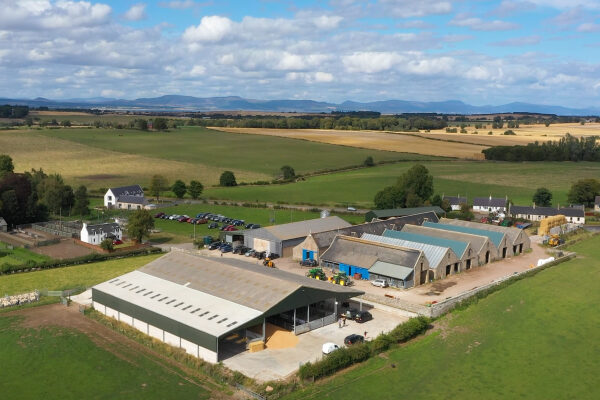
{"points": [[485, 204], [281, 239], [205, 305], [125, 197], [455, 201], [574, 215], [131, 190], [3, 225], [317, 242], [400, 266], [401, 212], [516, 237]]}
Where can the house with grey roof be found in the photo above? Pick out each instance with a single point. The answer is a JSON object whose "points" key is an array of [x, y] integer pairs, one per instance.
{"points": [[516, 237], [317, 242], [401, 267], [455, 201], [3, 225], [125, 197], [479, 249], [597, 204], [490, 204], [574, 215], [402, 212], [442, 260], [95, 234], [281, 239]]}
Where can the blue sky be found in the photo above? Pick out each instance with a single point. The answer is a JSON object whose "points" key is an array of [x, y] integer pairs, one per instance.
{"points": [[480, 52]]}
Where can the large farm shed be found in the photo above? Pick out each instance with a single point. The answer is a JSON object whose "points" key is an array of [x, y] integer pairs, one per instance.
{"points": [[441, 259], [316, 243], [400, 266], [574, 215], [281, 239], [212, 307], [516, 237], [480, 249], [499, 239], [402, 212]]}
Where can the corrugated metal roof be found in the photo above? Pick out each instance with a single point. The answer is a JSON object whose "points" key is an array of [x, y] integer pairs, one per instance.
{"points": [[391, 270], [298, 229], [434, 254], [475, 241], [511, 232], [456, 246], [495, 237], [131, 190], [398, 212]]}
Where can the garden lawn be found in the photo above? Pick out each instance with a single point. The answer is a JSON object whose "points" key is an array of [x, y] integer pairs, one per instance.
{"points": [[19, 255], [84, 275], [535, 339], [518, 181]]}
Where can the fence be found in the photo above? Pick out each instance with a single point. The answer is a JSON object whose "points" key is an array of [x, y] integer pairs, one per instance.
{"points": [[317, 323], [249, 392], [63, 229]]}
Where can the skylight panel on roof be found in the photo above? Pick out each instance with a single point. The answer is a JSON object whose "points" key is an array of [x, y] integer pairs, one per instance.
{"points": [[141, 290], [196, 310], [170, 301], [231, 324], [135, 287], [177, 305], [147, 293], [164, 298], [213, 317]]}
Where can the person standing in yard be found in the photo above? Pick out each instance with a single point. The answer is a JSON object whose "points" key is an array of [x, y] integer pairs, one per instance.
{"points": [[340, 322], [344, 320]]}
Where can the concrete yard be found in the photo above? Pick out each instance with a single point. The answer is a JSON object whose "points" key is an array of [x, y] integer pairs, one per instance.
{"points": [[273, 364]]}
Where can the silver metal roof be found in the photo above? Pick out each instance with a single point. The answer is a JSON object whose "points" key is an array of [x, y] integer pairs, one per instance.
{"points": [[203, 311], [391, 270], [511, 232], [434, 254], [300, 229], [476, 242]]}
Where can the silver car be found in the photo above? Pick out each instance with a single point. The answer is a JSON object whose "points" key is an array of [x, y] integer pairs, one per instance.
{"points": [[379, 282]]}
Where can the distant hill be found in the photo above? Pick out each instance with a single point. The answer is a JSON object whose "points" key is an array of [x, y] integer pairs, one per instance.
{"points": [[233, 103]]}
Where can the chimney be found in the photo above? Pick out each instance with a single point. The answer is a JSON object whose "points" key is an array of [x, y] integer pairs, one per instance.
{"points": [[534, 205]]}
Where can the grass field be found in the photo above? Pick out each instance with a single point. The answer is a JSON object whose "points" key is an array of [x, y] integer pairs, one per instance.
{"points": [[18, 255], [536, 339], [85, 275], [173, 231], [517, 180], [61, 363]]}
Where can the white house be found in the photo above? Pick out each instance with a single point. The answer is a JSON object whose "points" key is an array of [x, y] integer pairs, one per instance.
{"points": [[95, 234], [455, 201], [3, 225], [574, 215], [489, 204], [597, 204], [125, 197]]}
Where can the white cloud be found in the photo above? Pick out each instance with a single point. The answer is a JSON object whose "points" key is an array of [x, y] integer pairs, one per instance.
{"points": [[588, 27], [323, 77], [566, 4], [178, 5], [211, 29], [137, 12], [111, 93], [478, 24], [519, 41], [197, 70], [40, 14], [370, 62]]}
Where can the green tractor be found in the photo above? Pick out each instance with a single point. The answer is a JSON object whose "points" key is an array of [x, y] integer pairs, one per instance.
{"points": [[340, 279], [317, 273]]}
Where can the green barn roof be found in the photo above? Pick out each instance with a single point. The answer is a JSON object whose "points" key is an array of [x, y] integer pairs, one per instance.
{"points": [[495, 237], [457, 247]]}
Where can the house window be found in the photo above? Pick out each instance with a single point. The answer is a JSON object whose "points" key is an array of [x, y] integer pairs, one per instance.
{"points": [[109, 198]]}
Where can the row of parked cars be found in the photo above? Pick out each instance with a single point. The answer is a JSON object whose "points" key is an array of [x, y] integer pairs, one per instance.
{"points": [[213, 220], [225, 247]]}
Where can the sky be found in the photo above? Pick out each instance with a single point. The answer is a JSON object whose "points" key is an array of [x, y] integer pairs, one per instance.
{"points": [[480, 52]]}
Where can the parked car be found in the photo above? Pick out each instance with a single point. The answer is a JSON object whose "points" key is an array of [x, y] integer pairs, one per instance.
{"points": [[363, 316], [213, 225], [273, 256], [262, 255], [379, 282], [329, 348], [250, 253], [350, 313], [240, 250], [227, 248], [201, 221], [249, 226], [309, 263], [255, 226], [353, 339], [351, 209], [158, 215], [214, 245], [117, 241]]}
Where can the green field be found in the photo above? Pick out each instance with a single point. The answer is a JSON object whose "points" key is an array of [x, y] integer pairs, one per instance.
{"points": [[518, 181], [61, 363], [174, 231], [84, 275], [222, 150], [535, 339], [18, 256]]}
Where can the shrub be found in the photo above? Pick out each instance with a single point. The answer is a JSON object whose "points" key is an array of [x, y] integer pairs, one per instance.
{"points": [[509, 132], [409, 329], [380, 344]]}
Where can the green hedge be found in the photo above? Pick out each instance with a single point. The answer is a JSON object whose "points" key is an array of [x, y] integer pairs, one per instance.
{"points": [[31, 265], [346, 356]]}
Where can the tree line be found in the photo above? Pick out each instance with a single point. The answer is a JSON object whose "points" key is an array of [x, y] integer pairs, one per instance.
{"points": [[568, 148], [8, 111]]}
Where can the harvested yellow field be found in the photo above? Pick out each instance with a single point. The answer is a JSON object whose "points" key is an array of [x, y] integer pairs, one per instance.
{"points": [[400, 142], [94, 167]]}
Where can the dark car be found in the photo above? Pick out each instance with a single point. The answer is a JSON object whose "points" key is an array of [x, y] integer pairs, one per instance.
{"points": [[226, 249], [240, 250], [353, 339], [214, 245], [249, 226], [192, 220], [160, 214], [164, 216], [201, 221], [273, 256], [309, 263], [350, 313], [262, 255], [213, 225], [363, 316], [255, 226]]}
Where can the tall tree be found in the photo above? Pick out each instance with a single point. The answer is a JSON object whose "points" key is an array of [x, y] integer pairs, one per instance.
{"points": [[10, 207], [412, 189], [584, 191], [82, 201], [542, 197], [160, 124], [158, 184], [6, 165], [227, 179], [195, 189], [179, 188], [139, 225], [288, 172]]}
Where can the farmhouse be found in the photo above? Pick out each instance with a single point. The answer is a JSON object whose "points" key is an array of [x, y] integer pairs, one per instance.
{"points": [[442, 260], [515, 236], [3, 225], [211, 307], [597, 204], [95, 234], [316, 243], [281, 239], [402, 212], [574, 215], [125, 197], [490, 204], [455, 202], [499, 239], [362, 259], [480, 249]]}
